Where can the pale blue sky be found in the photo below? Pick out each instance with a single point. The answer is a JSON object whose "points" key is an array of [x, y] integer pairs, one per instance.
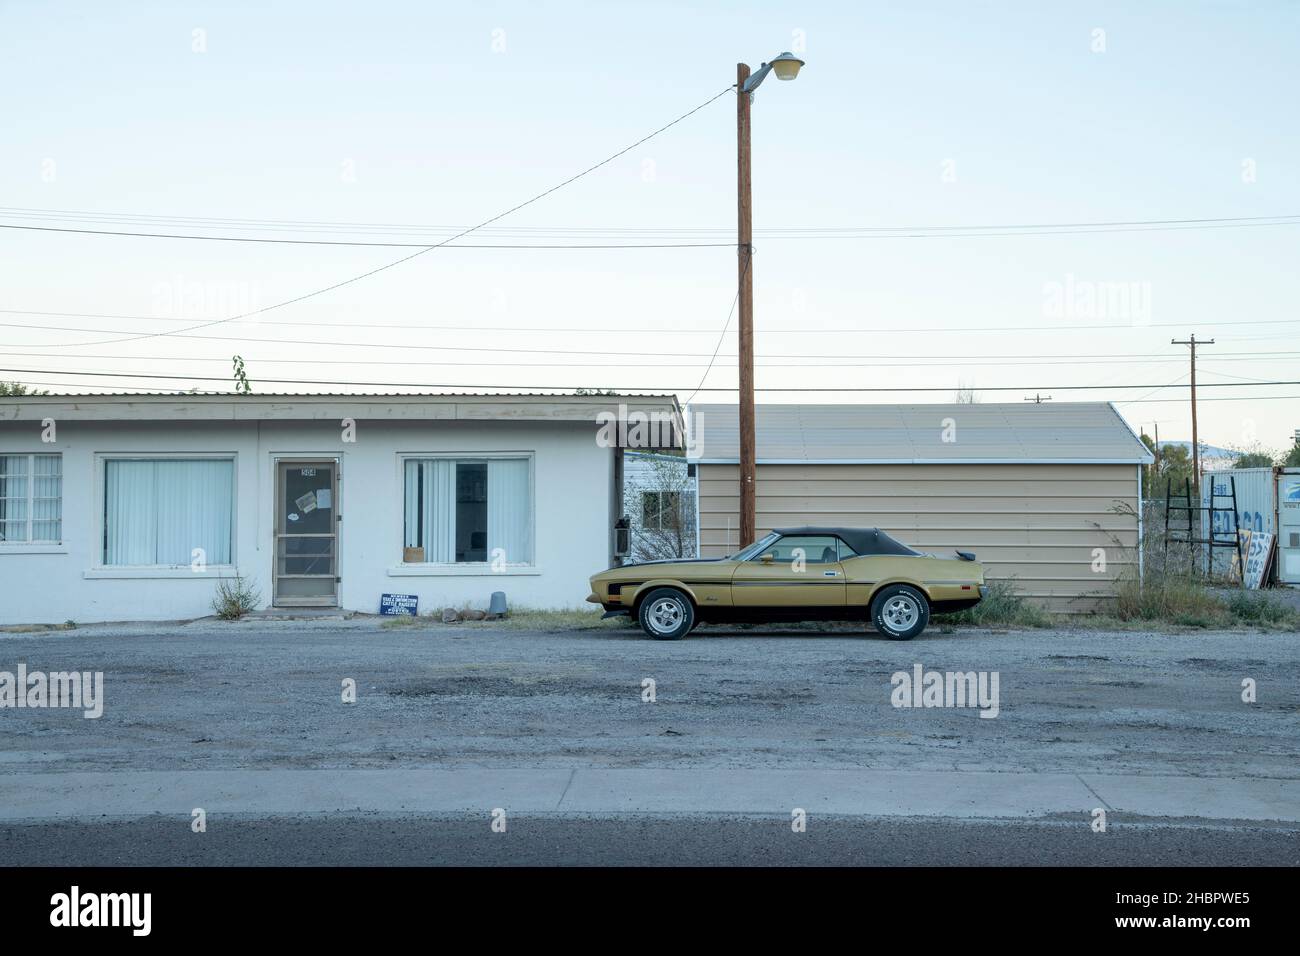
{"points": [[440, 114]]}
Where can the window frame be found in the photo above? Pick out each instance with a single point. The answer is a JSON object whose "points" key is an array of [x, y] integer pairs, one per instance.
{"points": [[662, 509], [29, 543], [405, 568], [101, 569]]}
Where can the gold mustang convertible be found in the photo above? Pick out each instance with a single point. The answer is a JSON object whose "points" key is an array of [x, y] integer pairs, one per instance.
{"points": [[795, 574]]}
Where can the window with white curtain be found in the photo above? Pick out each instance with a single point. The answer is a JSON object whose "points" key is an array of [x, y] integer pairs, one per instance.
{"points": [[168, 511], [468, 511], [31, 499]]}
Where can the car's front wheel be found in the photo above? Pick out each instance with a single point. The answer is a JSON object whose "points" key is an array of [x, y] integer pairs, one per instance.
{"points": [[900, 611], [666, 614]]}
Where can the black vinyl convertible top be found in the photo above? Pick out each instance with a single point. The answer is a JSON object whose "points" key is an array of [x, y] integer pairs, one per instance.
{"points": [[862, 540]]}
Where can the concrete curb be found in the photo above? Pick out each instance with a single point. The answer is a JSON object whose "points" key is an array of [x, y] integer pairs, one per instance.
{"points": [[597, 791]]}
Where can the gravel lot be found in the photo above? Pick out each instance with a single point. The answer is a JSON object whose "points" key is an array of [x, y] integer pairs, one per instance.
{"points": [[266, 694]]}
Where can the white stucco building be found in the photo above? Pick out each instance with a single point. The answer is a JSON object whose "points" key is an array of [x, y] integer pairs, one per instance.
{"points": [[132, 507]]}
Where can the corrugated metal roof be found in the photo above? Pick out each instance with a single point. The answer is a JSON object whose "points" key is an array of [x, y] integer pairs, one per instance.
{"points": [[983, 433], [261, 394], [660, 411]]}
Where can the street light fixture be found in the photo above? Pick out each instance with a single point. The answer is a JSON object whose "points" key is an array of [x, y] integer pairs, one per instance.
{"points": [[786, 66]]}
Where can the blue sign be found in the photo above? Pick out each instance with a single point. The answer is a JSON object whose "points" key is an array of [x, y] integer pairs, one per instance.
{"points": [[395, 605]]}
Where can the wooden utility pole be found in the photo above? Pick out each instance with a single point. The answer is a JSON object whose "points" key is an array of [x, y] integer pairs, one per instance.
{"points": [[1196, 444], [1156, 425], [745, 252]]}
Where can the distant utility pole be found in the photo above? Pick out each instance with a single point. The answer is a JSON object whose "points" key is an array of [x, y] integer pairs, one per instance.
{"points": [[1196, 445], [1038, 399], [1156, 425]]}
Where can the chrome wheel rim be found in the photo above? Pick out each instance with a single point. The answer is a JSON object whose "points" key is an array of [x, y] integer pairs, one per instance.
{"points": [[665, 615], [901, 612]]}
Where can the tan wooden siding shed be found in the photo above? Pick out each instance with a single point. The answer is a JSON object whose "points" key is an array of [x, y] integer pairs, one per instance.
{"points": [[1047, 495]]}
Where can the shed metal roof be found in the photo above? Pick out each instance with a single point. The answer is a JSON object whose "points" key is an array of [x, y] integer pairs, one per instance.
{"points": [[1028, 433]]}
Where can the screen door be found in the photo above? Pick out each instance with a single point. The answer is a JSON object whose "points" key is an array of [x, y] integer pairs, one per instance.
{"points": [[306, 534]]}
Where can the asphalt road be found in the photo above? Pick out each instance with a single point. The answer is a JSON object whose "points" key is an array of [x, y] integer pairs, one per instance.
{"points": [[639, 841]]}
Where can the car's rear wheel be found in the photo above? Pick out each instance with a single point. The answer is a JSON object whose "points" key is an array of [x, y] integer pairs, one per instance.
{"points": [[900, 612], [666, 614]]}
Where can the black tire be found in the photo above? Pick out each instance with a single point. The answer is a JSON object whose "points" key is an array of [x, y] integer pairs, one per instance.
{"points": [[900, 612], [666, 614]]}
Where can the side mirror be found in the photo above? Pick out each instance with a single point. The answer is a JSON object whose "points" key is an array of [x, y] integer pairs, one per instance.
{"points": [[768, 558]]}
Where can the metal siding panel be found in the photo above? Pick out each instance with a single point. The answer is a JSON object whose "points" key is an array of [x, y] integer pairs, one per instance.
{"points": [[1038, 524]]}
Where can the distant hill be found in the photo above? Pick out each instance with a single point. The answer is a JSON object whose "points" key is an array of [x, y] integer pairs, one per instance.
{"points": [[1207, 451]]}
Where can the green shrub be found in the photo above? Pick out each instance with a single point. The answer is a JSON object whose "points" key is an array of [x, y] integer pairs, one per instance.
{"points": [[1172, 597], [1252, 607], [1002, 605], [235, 597], [1185, 600]]}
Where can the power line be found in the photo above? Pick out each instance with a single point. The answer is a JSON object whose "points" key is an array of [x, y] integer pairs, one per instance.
{"points": [[930, 361], [1141, 398], [39, 214], [407, 245], [902, 330], [1240, 378], [725, 325], [420, 252], [1200, 401], [946, 233], [1039, 232], [653, 364], [518, 387], [658, 353]]}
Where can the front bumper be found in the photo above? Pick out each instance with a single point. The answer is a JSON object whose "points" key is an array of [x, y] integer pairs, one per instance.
{"points": [[611, 604]]}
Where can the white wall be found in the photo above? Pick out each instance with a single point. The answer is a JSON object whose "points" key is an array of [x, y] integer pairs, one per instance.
{"points": [[573, 479]]}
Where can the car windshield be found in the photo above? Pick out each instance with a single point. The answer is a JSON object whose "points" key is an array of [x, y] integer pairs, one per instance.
{"points": [[761, 544]]}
